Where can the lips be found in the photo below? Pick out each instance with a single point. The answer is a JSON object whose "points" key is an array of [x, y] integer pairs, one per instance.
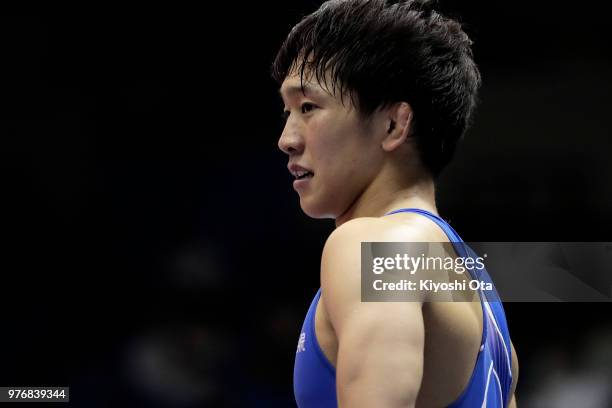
{"points": [[300, 172], [303, 175]]}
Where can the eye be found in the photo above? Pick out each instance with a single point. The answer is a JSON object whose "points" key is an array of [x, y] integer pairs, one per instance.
{"points": [[307, 107], [285, 115]]}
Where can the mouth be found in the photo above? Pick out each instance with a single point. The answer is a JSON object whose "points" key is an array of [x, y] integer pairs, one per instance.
{"points": [[302, 179], [300, 175]]}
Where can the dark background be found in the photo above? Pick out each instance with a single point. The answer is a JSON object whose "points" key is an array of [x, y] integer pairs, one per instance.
{"points": [[154, 252]]}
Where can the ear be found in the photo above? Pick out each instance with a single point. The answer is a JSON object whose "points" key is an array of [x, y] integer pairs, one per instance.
{"points": [[399, 121]]}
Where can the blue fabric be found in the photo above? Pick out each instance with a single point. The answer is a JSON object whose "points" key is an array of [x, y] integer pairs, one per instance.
{"points": [[314, 377]]}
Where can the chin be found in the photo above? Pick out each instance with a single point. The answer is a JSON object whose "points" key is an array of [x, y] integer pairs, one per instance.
{"points": [[318, 209]]}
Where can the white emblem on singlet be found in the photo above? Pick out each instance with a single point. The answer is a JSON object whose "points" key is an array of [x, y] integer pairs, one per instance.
{"points": [[301, 342]]}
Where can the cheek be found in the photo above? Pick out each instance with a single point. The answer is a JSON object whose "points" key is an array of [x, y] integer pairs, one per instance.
{"points": [[338, 147], [332, 138], [323, 143]]}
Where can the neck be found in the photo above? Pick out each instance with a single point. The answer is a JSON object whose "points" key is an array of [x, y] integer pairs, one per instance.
{"points": [[386, 194]]}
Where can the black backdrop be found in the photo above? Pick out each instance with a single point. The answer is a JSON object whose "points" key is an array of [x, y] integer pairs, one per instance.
{"points": [[154, 251]]}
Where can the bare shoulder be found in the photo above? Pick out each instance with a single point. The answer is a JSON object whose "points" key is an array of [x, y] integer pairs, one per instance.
{"points": [[341, 258], [340, 261], [341, 252], [383, 229]]}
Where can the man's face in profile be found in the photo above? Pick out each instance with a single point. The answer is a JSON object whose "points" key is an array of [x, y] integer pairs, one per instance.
{"points": [[333, 146]]}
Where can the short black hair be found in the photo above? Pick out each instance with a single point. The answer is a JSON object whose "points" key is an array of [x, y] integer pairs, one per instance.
{"points": [[382, 51]]}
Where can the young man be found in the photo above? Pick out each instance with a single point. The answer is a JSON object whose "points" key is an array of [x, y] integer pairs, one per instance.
{"points": [[377, 93]]}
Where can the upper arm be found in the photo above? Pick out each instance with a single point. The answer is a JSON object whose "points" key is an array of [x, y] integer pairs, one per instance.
{"points": [[380, 344]]}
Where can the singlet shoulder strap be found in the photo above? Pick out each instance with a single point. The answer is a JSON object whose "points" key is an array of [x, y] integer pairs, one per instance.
{"points": [[450, 232], [461, 248]]}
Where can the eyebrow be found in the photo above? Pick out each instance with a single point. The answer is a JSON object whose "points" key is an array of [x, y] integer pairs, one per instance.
{"points": [[307, 89]]}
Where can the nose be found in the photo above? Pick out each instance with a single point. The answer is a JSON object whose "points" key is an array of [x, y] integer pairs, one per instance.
{"points": [[290, 141]]}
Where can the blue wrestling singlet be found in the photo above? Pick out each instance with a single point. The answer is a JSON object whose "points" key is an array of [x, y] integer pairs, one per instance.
{"points": [[314, 377]]}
